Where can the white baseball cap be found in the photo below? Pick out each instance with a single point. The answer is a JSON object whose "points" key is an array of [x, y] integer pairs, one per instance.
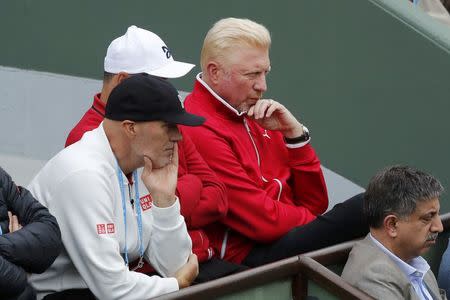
{"points": [[142, 51]]}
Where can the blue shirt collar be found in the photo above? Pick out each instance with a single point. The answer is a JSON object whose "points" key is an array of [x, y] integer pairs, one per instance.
{"points": [[416, 267]]}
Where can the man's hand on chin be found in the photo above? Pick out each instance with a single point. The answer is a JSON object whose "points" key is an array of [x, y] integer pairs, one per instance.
{"points": [[273, 115]]}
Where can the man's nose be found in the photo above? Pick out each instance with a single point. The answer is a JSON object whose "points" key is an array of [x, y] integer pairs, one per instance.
{"points": [[260, 84], [437, 225], [175, 134]]}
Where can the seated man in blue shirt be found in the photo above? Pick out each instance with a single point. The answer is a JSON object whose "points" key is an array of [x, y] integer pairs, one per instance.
{"points": [[402, 208]]}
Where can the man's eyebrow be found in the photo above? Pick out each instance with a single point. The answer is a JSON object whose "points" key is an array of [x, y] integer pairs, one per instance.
{"points": [[431, 213]]}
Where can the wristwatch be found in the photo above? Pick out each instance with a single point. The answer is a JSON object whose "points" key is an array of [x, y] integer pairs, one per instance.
{"points": [[299, 139]]}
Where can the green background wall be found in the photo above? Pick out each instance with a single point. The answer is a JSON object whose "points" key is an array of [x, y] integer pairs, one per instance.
{"points": [[369, 78]]}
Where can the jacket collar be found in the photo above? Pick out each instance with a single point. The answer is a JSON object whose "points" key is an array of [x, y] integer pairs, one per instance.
{"points": [[435, 292], [96, 140], [220, 105], [417, 264], [98, 105]]}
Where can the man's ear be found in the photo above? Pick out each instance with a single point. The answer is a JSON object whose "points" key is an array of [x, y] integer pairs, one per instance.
{"points": [[213, 70], [390, 225], [120, 77], [129, 127]]}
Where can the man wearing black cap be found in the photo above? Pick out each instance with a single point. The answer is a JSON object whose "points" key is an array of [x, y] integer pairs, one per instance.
{"points": [[92, 189], [202, 195]]}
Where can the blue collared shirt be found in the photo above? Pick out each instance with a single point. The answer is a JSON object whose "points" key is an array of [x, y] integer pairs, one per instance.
{"points": [[415, 270]]}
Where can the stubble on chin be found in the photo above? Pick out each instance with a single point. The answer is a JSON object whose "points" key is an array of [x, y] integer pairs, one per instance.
{"points": [[244, 107]]}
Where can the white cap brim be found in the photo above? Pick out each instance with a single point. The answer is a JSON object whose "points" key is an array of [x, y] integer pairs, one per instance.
{"points": [[173, 69]]}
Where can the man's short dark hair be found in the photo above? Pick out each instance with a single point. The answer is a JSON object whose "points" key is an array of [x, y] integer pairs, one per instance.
{"points": [[107, 76], [396, 190]]}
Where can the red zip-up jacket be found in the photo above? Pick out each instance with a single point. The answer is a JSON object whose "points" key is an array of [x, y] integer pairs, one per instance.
{"points": [[202, 195], [271, 188]]}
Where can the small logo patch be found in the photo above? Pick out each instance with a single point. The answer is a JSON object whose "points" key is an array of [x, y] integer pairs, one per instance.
{"points": [[101, 228], [166, 51], [110, 227], [146, 202]]}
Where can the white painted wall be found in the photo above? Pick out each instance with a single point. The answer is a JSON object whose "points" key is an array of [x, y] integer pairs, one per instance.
{"points": [[37, 110]]}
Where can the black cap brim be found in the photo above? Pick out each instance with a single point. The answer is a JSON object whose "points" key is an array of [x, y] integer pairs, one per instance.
{"points": [[185, 118]]}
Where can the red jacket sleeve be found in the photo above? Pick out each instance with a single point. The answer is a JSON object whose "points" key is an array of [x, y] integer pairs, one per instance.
{"points": [[250, 210], [202, 195], [308, 184]]}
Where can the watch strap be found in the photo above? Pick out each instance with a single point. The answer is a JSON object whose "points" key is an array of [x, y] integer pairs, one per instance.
{"points": [[299, 139]]}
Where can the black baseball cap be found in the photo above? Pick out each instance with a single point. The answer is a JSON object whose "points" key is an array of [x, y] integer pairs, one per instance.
{"points": [[143, 97]]}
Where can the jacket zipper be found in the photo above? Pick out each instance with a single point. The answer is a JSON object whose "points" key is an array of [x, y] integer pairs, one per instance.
{"points": [[225, 237], [259, 160], [256, 149]]}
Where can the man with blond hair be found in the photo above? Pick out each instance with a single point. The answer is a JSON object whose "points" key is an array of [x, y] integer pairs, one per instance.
{"points": [[275, 186]]}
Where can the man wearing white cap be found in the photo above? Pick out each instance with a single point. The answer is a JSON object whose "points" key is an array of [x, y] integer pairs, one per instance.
{"points": [[138, 51], [202, 195]]}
